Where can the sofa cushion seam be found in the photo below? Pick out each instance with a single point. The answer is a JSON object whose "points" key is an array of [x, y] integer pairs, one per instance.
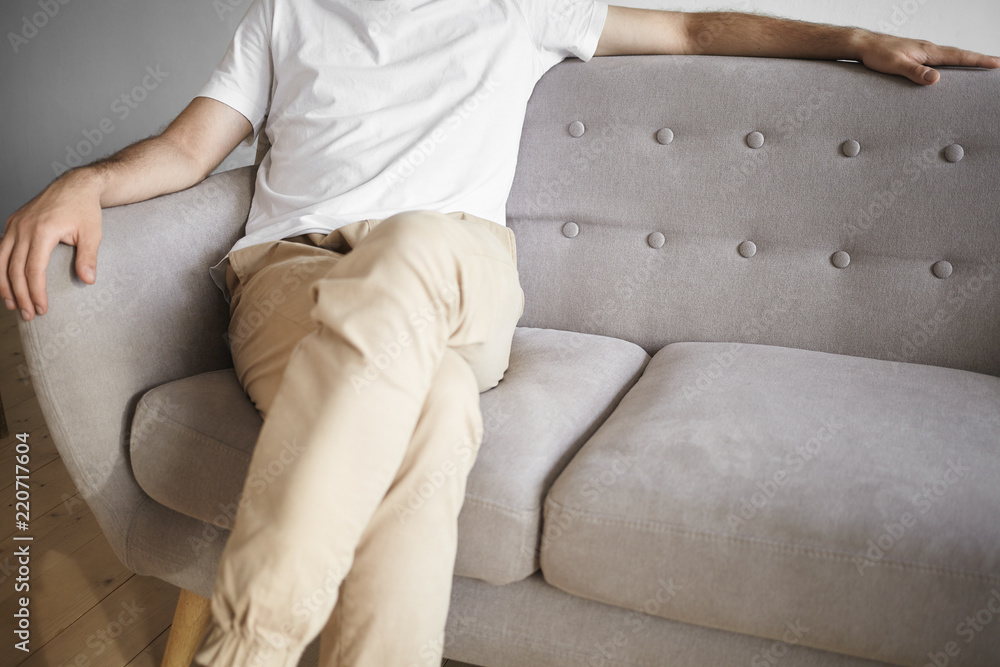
{"points": [[813, 551], [568, 651], [197, 436], [529, 513]]}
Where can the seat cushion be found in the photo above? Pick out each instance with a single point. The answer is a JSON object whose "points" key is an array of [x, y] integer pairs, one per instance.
{"points": [[192, 440], [853, 497]]}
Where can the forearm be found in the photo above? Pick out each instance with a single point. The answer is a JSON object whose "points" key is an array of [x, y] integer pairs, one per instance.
{"points": [[69, 210], [630, 31], [144, 170], [183, 155], [735, 34]]}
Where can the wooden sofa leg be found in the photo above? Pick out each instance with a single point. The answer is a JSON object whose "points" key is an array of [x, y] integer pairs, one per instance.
{"points": [[190, 622]]}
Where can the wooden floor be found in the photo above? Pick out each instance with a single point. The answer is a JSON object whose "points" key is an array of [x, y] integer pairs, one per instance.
{"points": [[85, 608]]}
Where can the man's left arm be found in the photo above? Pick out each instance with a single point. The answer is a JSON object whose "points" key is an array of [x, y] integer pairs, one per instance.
{"points": [[629, 31]]}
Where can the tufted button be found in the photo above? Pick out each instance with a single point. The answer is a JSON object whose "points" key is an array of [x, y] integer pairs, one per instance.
{"points": [[954, 153], [570, 229], [747, 249], [656, 240], [840, 259], [850, 148], [664, 135], [941, 269], [755, 140], [576, 129]]}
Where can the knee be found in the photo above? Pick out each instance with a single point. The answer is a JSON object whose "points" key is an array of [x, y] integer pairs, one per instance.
{"points": [[454, 397], [454, 386]]}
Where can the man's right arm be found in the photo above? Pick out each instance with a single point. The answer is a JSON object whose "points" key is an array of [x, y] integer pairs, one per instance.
{"points": [[69, 209]]}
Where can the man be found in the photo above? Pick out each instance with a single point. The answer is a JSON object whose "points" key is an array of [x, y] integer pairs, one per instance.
{"points": [[375, 292]]}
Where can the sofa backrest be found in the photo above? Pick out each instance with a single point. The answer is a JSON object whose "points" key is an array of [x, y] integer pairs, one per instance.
{"points": [[805, 204]]}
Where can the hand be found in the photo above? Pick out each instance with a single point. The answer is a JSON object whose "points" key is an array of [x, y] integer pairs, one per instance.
{"points": [[910, 57], [68, 211]]}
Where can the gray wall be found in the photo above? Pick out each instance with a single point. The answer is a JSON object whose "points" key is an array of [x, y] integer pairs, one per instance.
{"points": [[63, 87], [81, 82]]}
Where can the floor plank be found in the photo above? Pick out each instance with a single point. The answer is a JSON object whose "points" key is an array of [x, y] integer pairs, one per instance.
{"points": [[69, 590], [43, 451], [24, 415], [152, 655], [15, 392], [58, 534], [11, 355], [114, 631], [50, 485]]}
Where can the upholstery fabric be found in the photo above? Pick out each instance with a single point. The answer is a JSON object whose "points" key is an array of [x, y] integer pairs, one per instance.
{"points": [[153, 316], [192, 440], [660, 148], [772, 484], [896, 208], [531, 624]]}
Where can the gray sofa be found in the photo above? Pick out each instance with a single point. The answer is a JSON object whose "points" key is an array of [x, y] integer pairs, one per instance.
{"points": [[752, 416]]}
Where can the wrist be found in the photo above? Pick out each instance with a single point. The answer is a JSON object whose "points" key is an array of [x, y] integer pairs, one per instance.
{"points": [[856, 43], [86, 180]]}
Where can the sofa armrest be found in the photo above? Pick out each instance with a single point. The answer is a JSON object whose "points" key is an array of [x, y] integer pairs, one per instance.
{"points": [[154, 315]]}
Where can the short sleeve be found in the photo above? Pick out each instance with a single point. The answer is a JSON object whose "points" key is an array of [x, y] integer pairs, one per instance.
{"points": [[242, 80], [564, 28]]}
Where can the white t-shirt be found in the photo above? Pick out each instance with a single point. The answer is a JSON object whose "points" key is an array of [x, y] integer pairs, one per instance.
{"points": [[379, 106]]}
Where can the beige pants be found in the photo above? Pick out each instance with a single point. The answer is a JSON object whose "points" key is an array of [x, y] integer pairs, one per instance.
{"points": [[365, 350]]}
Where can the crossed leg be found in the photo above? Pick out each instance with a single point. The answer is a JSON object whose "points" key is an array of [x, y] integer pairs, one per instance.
{"points": [[378, 400]]}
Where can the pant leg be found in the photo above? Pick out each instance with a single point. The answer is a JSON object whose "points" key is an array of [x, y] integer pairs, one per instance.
{"points": [[393, 605], [270, 304], [342, 421]]}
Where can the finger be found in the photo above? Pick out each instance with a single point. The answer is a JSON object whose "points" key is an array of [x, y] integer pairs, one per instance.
{"points": [[949, 55], [37, 263], [6, 245], [18, 281], [86, 257]]}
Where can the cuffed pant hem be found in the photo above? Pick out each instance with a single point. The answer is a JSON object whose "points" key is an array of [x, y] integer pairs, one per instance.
{"points": [[233, 649]]}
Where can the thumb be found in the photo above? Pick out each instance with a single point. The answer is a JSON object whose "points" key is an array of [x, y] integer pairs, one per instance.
{"points": [[923, 75], [86, 258]]}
